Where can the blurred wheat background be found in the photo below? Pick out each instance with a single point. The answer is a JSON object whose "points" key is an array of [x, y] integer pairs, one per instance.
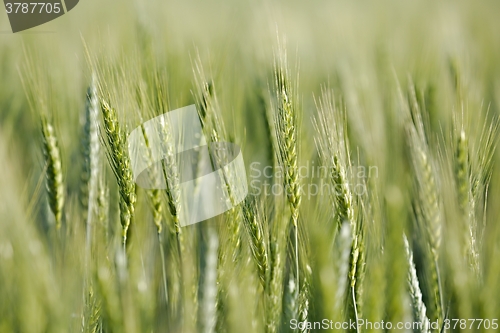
{"points": [[406, 91]]}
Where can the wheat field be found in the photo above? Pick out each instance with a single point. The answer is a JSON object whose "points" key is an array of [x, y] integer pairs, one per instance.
{"points": [[368, 131]]}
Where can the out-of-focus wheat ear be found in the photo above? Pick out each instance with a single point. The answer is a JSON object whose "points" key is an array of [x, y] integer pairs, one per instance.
{"points": [[54, 173], [171, 174], [103, 204], [462, 173], [154, 194], [110, 301], [91, 322], [418, 305], [155, 197], [428, 198], [343, 199], [233, 216], [356, 274], [360, 270], [333, 148], [222, 306], [465, 199], [209, 286], [254, 227], [431, 205], [482, 167], [425, 172], [342, 264], [91, 156], [291, 300], [235, 220], [89, 196], [274, 296], [213, 127], [304, 296], [429, 202], [353, 267], [119, 159]]}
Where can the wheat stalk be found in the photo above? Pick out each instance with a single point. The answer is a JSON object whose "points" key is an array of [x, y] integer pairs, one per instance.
{"points": [[274, 296], [428, 200], [419, 309], [291, 299], [344, 245], [277, 255], [209, 288]]}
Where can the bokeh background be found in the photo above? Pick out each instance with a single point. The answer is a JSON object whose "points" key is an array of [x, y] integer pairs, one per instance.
{"points": [[366, 51]]}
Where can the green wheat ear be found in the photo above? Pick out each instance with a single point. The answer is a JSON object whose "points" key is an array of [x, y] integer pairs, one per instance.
{"points": [[54, 175], [465, 198], [255, 229], [333, 148], [119, 159], [210, 114], [171, 174], [286, 121], [286, 128], [427, 193], [153, 194]]}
